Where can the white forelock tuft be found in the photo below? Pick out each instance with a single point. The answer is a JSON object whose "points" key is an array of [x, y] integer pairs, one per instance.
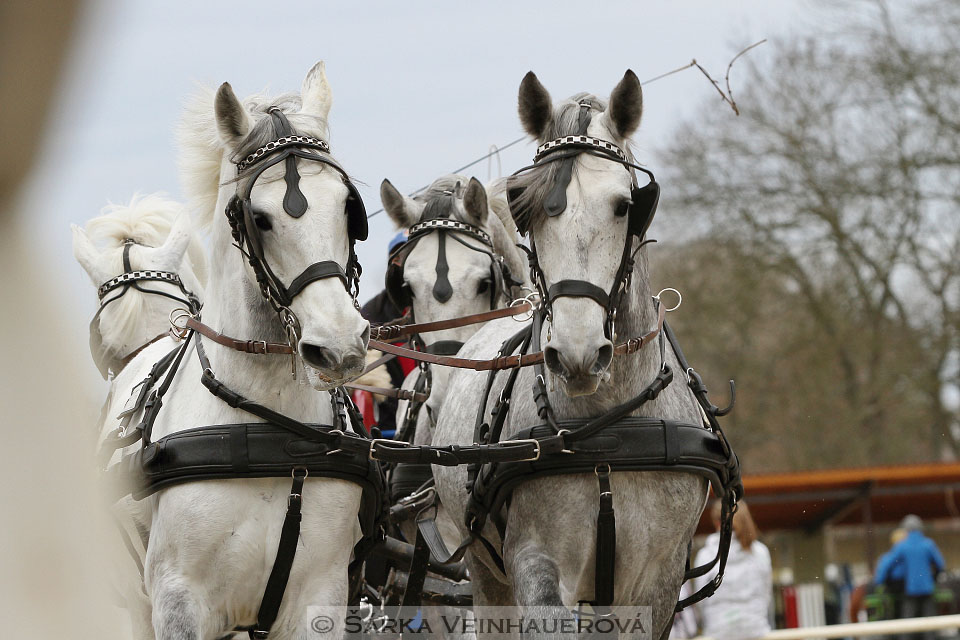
{"points": [[200, 155]]}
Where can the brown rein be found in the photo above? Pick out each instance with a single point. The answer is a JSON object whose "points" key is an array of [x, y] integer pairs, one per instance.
{"points": [[504, 362], [394, 331], [514, 361]]}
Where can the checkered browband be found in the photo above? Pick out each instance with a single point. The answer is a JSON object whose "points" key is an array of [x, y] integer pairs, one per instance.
{"points": [[131, 276], [451, 225], [280, 143], [553, 145]]}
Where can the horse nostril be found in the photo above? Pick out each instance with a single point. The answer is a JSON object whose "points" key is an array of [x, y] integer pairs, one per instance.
{"points": [[604, 358], [551, 357], [319, 357]]}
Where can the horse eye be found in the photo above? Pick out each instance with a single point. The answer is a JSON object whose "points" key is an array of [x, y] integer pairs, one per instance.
{"points": [[263, 222], [623, 208], [484, 286]]}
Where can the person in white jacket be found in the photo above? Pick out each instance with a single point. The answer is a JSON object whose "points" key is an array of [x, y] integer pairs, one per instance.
{"points": [[739, 609]]}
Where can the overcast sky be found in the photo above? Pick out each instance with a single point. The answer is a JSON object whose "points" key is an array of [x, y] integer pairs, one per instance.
{"points": [[420, 88]]}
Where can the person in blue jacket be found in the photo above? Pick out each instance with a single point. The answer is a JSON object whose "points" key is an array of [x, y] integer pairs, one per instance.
{"points": [[919, 560]]}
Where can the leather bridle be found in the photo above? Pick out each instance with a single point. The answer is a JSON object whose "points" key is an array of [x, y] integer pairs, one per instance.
{"points": [[131, 279], [640, 211], [287, 148], [500, 277]]}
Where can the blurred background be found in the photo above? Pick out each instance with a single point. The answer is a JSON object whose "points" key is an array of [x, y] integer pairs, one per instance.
{"points": [[815, 237]]}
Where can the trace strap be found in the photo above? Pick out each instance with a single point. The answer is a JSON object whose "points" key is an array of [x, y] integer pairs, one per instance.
{"points": [[286, 551]]}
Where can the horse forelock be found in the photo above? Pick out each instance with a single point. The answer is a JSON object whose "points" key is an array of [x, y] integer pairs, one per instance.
{"points": [[201, 149], [537, 182]]}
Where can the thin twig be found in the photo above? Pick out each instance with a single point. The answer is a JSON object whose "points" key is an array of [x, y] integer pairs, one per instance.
{"points": [[727, 76], [670, 73], [727, 97]]}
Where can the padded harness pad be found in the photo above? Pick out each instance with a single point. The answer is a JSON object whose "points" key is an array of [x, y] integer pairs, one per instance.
{"points": [[248, 450], [631, 444]]}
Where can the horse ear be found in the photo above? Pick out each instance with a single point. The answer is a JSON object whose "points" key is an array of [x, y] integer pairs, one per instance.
{"points": [[626, 106], [403, 210], [233, 121], [169, 255], [475, 203], [315, 92], [534, 105], [87, 255]]}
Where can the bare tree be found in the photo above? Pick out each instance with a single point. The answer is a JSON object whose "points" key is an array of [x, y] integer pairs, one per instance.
{"points": [[836, 195]]}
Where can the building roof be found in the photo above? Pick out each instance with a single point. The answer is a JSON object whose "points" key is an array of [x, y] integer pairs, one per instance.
{"points": [[810, 499]]}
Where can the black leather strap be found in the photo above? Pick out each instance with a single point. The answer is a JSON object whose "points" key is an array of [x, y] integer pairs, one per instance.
{"points": [[317, 271], [578, 289], [606, 541], [417, 573], [286, 551]]}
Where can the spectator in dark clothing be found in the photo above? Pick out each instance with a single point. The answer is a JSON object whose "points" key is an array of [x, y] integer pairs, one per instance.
{"points": [[921, 561], [378, 310]]}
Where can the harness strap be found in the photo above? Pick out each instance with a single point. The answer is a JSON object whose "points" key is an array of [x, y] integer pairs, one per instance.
{"points": [[152, 406], [246, 346], [286, 550], [389, 332], [317, 271], [510, 361], [606, 541], [417, 573], [578, 289], [399, 394]]}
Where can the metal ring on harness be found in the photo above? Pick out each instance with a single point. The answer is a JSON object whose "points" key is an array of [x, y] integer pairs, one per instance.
{"points": [[180, 331], [679, 298]]}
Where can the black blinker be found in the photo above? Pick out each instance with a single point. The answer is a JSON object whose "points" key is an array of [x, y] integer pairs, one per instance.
{"points": [[645, 201]]}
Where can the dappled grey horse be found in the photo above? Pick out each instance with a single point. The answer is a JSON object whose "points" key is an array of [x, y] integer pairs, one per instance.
{"points": [[581, 233]]}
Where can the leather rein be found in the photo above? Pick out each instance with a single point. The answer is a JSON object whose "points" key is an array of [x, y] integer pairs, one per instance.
{"points": [[501, 362]]}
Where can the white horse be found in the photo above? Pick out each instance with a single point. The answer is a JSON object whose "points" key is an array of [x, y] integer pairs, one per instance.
{"points": [[212, 543], [450, 274], [548, 549], [151, 233], [158, 236]]}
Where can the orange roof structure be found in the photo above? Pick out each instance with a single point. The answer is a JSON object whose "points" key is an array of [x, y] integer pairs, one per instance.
{"points": [[808, 500]]}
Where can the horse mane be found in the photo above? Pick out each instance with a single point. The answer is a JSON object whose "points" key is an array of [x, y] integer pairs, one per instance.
{"points": [[201, 148], [147, 220], [537, 182]]}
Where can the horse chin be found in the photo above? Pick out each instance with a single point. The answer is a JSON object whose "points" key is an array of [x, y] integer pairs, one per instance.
{"points": [[584, 385], [325, 381]]}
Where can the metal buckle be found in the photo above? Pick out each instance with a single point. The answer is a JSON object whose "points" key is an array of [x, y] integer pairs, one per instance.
{"points": [[413, 497], [373, 445], [535, 442], [560, 433]]}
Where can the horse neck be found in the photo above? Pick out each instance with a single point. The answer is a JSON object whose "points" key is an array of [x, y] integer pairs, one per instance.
{"points": [[234, 307]]}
